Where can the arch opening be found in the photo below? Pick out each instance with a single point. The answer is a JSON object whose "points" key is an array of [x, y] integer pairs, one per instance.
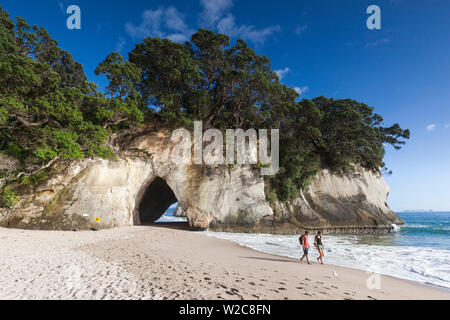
{"points": [[157, 198]]}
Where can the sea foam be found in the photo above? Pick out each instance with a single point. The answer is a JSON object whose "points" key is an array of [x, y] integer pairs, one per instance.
{"points": [[426, 265]]}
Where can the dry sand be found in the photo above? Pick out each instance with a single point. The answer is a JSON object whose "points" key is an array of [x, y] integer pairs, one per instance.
{"points": [[151, 262]]}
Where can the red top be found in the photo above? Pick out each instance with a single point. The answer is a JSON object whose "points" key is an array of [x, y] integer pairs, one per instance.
{"points": [[305, 242]]}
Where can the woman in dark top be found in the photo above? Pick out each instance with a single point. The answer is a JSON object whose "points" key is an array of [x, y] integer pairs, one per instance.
{"points": [[319, 246]]}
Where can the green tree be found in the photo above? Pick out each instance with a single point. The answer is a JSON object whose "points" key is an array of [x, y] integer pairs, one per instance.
{"points": [[230, 86], [169, 77], [208, 80], [126, 104], [48, 109]]}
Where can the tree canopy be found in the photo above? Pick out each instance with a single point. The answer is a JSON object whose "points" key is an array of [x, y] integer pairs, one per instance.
{"points": [[230, 86], [49, 110]]}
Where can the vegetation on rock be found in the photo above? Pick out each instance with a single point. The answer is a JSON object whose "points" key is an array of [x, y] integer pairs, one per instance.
{"points": [[50, 111]]}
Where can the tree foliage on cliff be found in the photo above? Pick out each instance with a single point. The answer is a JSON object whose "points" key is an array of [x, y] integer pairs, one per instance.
{"points": [[230, 86], [48, 109], [207, 79]]}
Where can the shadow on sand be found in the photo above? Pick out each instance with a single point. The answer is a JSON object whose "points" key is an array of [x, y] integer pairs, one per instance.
{"points": [[270, 259], [169, 225]]}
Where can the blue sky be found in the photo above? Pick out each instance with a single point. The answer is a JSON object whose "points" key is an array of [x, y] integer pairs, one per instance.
{"points": [[320, 47]]}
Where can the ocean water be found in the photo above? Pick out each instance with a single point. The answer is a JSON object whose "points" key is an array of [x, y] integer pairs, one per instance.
{"points": [[165, 219], [169, 217], [418, 250]]}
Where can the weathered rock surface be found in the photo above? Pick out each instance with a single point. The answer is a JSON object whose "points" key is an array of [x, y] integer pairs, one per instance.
{"points": [[138, 187], [348, 203]]}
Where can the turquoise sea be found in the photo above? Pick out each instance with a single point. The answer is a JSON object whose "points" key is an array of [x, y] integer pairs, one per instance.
{"points": [[424, 229], [418, 250]]}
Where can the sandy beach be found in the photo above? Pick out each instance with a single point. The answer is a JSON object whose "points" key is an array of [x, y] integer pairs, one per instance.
{"points": [[151, 262]]}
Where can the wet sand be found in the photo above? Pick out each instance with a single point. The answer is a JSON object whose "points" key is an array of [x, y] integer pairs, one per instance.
{"points": [[159, 262]]}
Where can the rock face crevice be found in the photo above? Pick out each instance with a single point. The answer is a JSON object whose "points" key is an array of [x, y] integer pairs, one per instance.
{"points": [[139, 186]]}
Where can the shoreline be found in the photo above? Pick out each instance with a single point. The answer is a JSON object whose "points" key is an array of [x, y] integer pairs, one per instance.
{"points": [[423, 265], [156, 262], [338, 230], [426, 284]]}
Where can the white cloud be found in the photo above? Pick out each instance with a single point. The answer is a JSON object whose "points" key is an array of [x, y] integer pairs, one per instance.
{"points": [[300, 29], [175, 20], [447, 126], [150, 25], [120, 44], [216, 14], [228, 26], [61, 7], [170, 23], [282, 73], [301, 90], [178, 37], [378, 42], [213, 10], [155, 21], [431, 127]]}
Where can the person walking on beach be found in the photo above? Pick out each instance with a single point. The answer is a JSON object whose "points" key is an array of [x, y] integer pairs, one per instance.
{"points": [[305, 245], [319, 246]]}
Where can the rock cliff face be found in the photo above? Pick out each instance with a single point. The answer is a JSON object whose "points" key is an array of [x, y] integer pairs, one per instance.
{"points": [[348, 203], [141, 184]]}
